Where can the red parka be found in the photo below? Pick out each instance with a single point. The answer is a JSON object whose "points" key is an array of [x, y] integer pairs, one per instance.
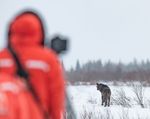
{"points": [[16, 101], [26, 37]]}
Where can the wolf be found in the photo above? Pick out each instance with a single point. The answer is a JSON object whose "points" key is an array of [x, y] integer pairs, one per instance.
{"points": [[105, 93]]}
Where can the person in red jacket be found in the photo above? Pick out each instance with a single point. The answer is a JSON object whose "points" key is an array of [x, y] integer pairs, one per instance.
{"points": [[16, 101], [26, 37]]}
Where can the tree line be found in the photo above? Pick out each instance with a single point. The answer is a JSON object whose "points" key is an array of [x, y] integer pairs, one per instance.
{"points": [[94, 71]]}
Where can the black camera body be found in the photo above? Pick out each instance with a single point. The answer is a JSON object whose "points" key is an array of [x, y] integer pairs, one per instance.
{"points": [[59, 44]]}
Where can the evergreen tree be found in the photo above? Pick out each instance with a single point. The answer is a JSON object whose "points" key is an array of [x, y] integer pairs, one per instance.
{"points": [[78, 67]]}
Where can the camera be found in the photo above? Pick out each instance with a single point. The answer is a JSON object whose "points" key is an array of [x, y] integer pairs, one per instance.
{"points": [[59, 44]]}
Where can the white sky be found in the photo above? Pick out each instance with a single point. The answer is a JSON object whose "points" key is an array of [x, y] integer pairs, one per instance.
{"points": [[98, 29]]}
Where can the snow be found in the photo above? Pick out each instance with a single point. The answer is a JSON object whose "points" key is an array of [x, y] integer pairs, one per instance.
{"points": [[86, 100]]}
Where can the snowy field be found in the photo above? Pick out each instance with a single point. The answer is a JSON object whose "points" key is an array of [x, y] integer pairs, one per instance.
{"points": [[86, 101]]}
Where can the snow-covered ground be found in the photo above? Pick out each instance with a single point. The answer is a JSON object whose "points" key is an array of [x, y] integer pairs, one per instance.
{"points": [[86, 101]]}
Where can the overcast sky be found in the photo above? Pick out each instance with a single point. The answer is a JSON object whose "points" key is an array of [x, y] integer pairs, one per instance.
{"points": [[118, 30]]}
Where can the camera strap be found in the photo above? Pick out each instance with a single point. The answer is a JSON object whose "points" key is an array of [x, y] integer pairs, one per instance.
{"points": [[24, 74]]}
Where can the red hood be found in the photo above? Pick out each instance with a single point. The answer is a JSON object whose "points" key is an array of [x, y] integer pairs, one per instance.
{"points": [[26, 30]]}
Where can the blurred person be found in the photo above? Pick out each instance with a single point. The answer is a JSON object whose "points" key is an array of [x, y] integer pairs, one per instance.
{"points": [[26, 37], [16, 101]]}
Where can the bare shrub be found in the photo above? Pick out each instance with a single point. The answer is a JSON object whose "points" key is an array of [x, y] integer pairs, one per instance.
{"points": [[87, 115], [107, 115], [96, 115], [120, 98], [139, 94]]}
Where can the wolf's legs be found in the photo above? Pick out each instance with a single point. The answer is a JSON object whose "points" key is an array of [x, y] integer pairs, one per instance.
{"points": [[102, 100], [108, 101]]}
